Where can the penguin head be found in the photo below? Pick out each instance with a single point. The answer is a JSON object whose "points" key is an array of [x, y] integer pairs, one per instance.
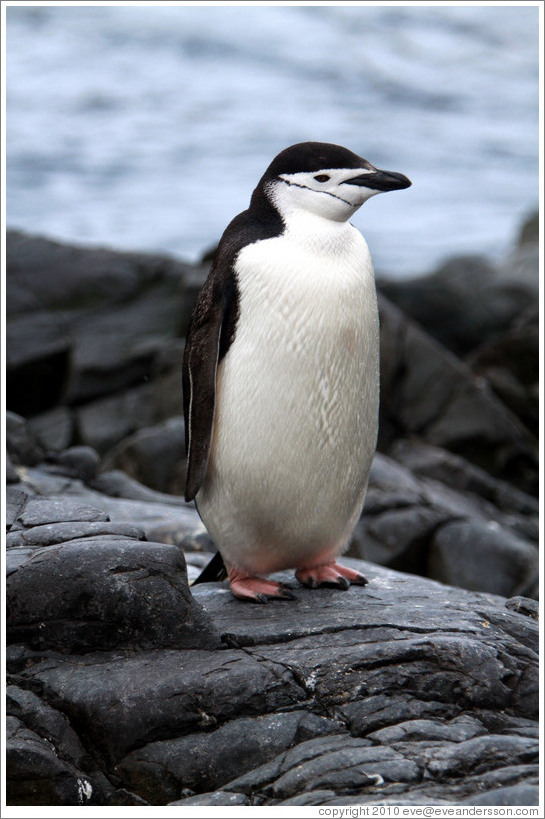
{"points": [[324, 179]]}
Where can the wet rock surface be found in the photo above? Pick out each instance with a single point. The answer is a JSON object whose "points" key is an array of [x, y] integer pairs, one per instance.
{"points": [[125, 687], [128, 687]]}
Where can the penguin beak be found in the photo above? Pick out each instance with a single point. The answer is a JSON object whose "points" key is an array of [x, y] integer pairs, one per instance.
{"points": [[379, 180]]}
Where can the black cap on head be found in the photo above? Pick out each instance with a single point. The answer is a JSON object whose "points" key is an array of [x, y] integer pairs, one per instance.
{"points": [[312, 156]]}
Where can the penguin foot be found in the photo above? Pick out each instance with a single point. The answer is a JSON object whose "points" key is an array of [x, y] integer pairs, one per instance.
{"points": [[331, 574], [257, 589]]}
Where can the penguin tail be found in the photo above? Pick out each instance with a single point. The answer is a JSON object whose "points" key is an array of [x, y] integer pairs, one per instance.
{"points": [[213, 572]]}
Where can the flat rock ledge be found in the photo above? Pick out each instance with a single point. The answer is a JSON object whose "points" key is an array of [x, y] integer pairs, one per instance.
{"points": [[128, 688]]}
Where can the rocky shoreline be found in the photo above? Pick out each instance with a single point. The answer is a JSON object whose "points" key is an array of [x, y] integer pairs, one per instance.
{"points": [[126, 687]]}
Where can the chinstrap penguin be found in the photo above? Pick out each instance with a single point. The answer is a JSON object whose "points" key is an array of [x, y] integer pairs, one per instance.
{"points": [[281, 374]]}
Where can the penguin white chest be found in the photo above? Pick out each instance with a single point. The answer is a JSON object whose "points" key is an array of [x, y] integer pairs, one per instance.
{"points": [[297, 401]]}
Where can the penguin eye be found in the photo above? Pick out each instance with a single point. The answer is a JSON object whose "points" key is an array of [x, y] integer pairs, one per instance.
{"points": [[322, 177]]}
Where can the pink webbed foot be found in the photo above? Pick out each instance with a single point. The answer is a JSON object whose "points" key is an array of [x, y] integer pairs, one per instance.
{"points": [[256, 589], [330, 573]]}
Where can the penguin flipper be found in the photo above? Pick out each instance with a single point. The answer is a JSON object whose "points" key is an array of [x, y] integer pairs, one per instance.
{"points": [[209, 336], [199, 387], [213, 572]]}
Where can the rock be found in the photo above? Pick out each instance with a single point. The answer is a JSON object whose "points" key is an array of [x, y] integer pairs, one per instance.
{"points": [[86, 322], [47, 762], [104, 592], [161, 770], [425, 461], [218, 798], [474, 753], [400, 691], [524, 605], [468, 301], [106, 421], [510, 365], [156, 513], [520, 270], [36, 774], [427, 392], [57, 510], [155, 456], [20, 442], [370, 696], [476, 533], [463, 551], [514, 795], [529, 231], [16, 500], [54, 430], [77, 462], [12, 476], [52, 533], [176, 693], [38, 354], [118, 484]]}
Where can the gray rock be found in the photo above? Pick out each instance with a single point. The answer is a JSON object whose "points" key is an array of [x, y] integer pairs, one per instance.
{"points": [[161, 770], [455, 730], [106, 421], [15, 558], [350, 764], [473, 531], [152, 514], [12, 476], [467, 300], [103, 593], [529, 230], [54, 430], [214, 799], [20, 442], [85, 322], [71, 773], [426, 391], [16, 499], [318, 797], [50, 724], [524, 606], [50, 534], [118, 484], [474, 754], [510, 364], [511, 795], [400, 691], [427, 461], [77, 462], [473, 555], [155, 456], [36, 775], [38, 356], [39, 511], [175, 694]]}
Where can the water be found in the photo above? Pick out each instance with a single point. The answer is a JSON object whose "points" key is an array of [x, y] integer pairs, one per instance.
{"points": [[148, 127]]}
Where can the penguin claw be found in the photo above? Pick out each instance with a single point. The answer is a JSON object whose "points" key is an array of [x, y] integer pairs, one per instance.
{"points": [[360, 580], [257, 589], [286, 594], [330, 574], [310, 582]]}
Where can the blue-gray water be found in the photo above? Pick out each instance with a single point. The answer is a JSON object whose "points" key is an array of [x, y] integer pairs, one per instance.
{"points": [[148, 127]]}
